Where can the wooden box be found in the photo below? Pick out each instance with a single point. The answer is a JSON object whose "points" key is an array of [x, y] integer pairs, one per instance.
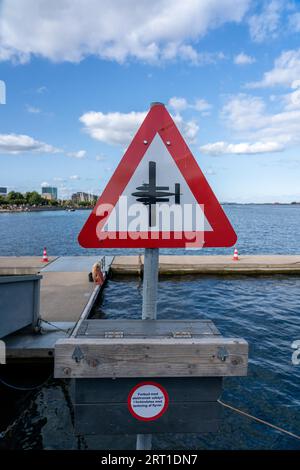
{"points": [[150, 348], [186, 358]]}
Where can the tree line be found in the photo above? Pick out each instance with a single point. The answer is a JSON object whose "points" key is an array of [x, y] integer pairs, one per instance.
{"points": [[31, 198]]}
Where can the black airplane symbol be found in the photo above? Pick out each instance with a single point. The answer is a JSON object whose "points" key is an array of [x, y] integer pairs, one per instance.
{"points": [[149, 194]]}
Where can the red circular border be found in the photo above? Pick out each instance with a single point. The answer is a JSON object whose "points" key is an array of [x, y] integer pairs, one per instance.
{"points": [[164, 409]]}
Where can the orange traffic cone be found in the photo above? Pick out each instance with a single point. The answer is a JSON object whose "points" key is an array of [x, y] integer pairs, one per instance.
{"points": [[235, 255], [45, 256]]}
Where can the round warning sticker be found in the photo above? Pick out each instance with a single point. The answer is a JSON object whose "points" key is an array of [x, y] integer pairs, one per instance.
{"points": [[148, 401]]}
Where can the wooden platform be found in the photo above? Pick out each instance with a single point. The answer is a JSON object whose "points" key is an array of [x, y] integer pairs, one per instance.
{"points": [[149, 348], [207, 264]]}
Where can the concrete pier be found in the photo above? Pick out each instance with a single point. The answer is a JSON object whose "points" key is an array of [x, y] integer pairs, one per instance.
{"points": [[67, 294], [207, 264], [168, 265]]}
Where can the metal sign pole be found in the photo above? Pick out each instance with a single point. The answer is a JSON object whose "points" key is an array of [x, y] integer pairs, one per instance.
{"points": [[150, 283]]}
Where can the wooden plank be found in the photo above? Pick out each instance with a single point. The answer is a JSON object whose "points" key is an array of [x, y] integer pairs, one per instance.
{"points": [[163, 357], [116, 419], [141, 328], [186, 389]]}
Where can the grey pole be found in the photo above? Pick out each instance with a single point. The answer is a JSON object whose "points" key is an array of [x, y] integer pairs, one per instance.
{"points": [[144, 442], [150, 283]]}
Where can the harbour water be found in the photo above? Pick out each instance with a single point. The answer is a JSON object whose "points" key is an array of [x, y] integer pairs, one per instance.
{"points": [[264, 310]]}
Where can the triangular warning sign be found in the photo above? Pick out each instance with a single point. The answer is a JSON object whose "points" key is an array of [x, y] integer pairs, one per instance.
{"points": [[158, 196]]}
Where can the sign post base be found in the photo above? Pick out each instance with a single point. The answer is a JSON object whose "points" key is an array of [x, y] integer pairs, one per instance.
{"points": [[149, 311]]}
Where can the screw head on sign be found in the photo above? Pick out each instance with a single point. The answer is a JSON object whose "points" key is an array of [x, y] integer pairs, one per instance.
{"points": [[145, 142], [168, 142]]}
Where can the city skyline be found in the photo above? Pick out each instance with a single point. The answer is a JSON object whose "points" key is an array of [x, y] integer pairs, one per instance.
{"points": [[227, 71]]}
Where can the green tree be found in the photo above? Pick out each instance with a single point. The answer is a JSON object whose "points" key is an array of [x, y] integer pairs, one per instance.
{"points": [[15, 197], [34, 198]]}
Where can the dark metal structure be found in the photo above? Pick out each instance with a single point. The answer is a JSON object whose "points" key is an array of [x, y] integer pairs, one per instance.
{"points": [[149, 194]]}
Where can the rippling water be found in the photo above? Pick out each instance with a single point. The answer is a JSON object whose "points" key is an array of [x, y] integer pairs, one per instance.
{"points": [[260, 229], [264, 310]]}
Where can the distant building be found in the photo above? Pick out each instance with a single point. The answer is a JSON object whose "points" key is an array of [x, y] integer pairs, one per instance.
{"points": [[3, 191], [84, 197], [49, 192]]}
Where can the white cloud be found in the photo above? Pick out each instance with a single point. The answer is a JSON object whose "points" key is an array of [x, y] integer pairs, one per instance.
{"points": [[243, 59], [33, 109], [112, 128], [201, 105], [285, 71], [294, 22], [44, 184], [120, 128], [42, 89], [178, 104], [20, 143], [79, 154], [148, 31], [191, 55], [59, 179], [260, 130], [221, 148], [266, 24], [74, 177], [181, 104], [100, 158], [14, 144], [189, 129]]}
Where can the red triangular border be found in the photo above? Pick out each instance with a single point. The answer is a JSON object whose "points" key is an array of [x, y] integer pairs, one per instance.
{"points": [[158, 120]]}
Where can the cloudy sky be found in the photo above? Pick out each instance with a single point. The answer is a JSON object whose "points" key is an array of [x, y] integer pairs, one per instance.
{"points": [[80, 76]]}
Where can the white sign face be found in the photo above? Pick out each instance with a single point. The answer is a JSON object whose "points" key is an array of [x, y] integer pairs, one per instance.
{"points": [[148, 401], [185, 216]]}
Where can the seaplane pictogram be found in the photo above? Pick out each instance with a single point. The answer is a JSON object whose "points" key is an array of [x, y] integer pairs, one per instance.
{"points": [[149, 194]]}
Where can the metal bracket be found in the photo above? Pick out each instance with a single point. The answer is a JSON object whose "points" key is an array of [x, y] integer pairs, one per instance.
{"points": [[222, 354], [113, 334], [181, 334], [77, 355]]}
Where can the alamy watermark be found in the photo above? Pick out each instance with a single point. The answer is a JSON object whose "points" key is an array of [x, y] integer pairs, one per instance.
{"points": [[2, 92], [296, 354], [151, 221], [2, 352]]}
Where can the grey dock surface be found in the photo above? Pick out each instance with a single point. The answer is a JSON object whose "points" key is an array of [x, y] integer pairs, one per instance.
{"points": [[211, 264], [65, 294], [11, 265], [168, 265]]}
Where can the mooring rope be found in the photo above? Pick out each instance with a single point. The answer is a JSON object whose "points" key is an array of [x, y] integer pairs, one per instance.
{"points": [[67, 330], [23, 389], [259, 420]]}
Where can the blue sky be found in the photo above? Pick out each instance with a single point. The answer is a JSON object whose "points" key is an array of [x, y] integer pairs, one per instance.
{"points": [[80, 76]]}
